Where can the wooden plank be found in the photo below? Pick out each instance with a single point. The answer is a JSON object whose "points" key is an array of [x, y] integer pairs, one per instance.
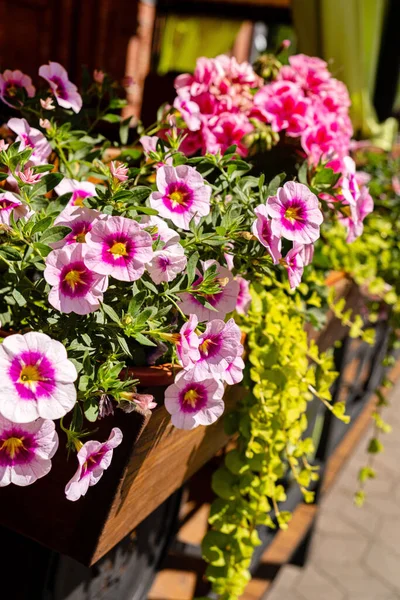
{"points": [[163, 459]]}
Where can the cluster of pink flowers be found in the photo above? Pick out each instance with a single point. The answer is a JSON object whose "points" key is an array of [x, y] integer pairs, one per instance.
{"points": [[208, 359], [293, 214], [100, 245], [220, 108], [215, 103], [38, 387], [306, 102]]}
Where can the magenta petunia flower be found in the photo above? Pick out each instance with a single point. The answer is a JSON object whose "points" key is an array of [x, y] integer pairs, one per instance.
{"points": [[261, 228], [118, 247], [37, 379], [29, 137], [11, 82], [234, 372], [79, 189], [244, 296], [10, 204], [93, 458], [182, 195], [158, 229], [119, 170], [295, 213], [223, 302], [65, 91], [187, 348], [75, 288], [80, 219], [26, 451], [219, 346], [294, 266], [192, 403], [166, 264]]}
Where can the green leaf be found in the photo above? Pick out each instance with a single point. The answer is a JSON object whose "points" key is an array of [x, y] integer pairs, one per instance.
{"points": [[110, 312], [375, 446], [145, 210], [191, 267], [124, 345], [42, 249], [143, 340], [55, 234], [10, 253], [124, 130], [18, 297], [111, 118], [47, 183], [91, 409], [223, 482], [42, 225], [139, 193]]}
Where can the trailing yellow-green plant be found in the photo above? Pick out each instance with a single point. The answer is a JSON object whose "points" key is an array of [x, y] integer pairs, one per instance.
{"points": [[285, 373]]}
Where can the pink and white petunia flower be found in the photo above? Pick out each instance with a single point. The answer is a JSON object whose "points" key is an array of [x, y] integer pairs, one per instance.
{"points": [[80, 219], [293, 263], [79, 190], [182, 195], [158, 229], [364, 206], [295, 213], [223, 302], [244, 296], [187, 348], [234, 372], [37, 379], [219, 346], [11, 82], [261, 228], [65, 91], [75, 287], [29, 137], [26, 451], [166, 264], [93, 458], [192, 403], [306, 252], [118, 247], [10, 204]]}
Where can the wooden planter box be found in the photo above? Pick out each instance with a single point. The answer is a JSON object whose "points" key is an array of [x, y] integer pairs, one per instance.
{"points": [[153, 461]]}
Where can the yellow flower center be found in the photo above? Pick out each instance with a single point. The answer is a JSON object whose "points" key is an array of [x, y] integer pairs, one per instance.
{"points": [[119, 249], [205, 347], [292, 213], [78, 201], [178, 197], [191, 397], [30, 374], [11, 90], [81, 237], [12, 445], [73, 278]]}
